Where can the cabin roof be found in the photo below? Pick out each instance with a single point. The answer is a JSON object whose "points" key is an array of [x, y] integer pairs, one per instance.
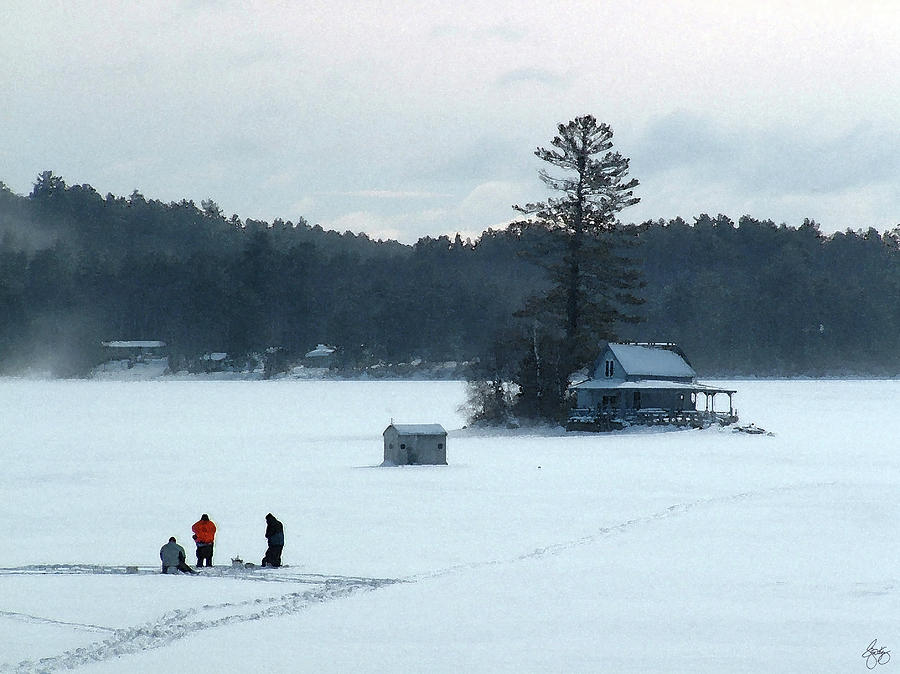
{"points": [[417, 429], [134, 344], [320, 351], [649, 361], [644, 384]]}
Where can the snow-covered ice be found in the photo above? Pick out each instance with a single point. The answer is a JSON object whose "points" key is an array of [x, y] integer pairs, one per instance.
{"points": [[674, 551]]}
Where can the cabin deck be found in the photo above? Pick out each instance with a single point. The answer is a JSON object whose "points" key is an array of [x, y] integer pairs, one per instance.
{"points": [[599, 420]]}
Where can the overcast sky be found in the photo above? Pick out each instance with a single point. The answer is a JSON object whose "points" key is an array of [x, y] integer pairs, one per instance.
{"points": [[403, 119]]}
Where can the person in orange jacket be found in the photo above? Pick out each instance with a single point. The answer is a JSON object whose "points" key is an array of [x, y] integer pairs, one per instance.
{"points": [[204, 535]]}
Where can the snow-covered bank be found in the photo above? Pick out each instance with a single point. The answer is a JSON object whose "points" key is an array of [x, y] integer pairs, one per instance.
{"points": [[225, 370], [666, 551]]}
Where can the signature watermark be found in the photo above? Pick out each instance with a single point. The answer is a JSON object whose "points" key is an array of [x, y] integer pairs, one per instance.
{"points": [[876, 656]]}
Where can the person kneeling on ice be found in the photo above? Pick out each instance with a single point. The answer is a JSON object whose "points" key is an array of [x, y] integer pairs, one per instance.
{"points": [[275, 537], [173, 558], [204, 534]]}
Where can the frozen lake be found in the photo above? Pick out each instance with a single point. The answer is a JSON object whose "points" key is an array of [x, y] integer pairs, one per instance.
{"points": [[675, 551]]}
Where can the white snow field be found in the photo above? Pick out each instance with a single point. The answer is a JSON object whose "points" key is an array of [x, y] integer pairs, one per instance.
{"points": [[654, 551]]}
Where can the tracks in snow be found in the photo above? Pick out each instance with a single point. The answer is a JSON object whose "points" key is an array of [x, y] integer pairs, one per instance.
{"points": [[605, 532], [181, 623], [38, 620], [283, 574]]}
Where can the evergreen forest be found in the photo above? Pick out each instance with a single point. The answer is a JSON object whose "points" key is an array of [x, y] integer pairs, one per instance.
{"points": [[746, 298]]}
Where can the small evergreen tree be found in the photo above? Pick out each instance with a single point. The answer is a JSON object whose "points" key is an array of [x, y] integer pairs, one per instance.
{"points": [[490, 393]]}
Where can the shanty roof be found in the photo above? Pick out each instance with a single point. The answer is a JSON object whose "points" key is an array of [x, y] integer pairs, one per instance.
{"points": [[418, 429], [643, 384], [146, 344], [650, 361]]}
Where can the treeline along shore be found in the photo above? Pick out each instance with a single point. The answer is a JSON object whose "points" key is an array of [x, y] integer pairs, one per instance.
{"points": [[745, 298]]}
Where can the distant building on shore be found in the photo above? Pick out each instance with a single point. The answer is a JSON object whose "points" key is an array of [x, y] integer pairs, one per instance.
{"points": [[216, 361], [135, 351], [322, 356]]}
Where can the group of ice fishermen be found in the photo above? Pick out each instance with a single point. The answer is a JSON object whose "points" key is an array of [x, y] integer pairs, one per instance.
{"points": [[173, 556]]}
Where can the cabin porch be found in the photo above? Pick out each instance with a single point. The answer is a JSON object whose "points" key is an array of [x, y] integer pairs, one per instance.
{"points": [[643, 403]]}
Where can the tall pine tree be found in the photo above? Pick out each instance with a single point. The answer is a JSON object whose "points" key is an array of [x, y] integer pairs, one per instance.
{"points": [[593, 282]]}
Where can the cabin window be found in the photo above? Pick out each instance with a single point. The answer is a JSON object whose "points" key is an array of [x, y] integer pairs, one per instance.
{"points": [[402, 446], [440, 445], [610, 368]]}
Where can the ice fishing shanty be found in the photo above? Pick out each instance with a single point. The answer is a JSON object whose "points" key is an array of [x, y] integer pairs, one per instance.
{"points": [[646, 383], [413, 444]]}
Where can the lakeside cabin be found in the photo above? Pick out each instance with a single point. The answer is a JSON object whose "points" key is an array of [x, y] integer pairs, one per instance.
{"points": [[646, 383], [322, 356], [415, 444], [135, 351], [215, 361]]}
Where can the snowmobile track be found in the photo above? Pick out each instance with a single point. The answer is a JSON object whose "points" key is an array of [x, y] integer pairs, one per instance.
{"points": [[38, 620], [606, 532], [180, 623]]}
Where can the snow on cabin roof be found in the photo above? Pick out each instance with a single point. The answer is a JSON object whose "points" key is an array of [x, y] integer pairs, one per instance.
{"points": [[643, 384], [320, 350], [418, 429], [135, 344], [651, 361]]}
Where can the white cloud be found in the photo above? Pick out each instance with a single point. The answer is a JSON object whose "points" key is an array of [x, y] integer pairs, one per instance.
{"points": [[253, 104], [280, 179], [303, 205], [540, 76], [406, 227], [488, 204], [496, 197], [392, 194]]}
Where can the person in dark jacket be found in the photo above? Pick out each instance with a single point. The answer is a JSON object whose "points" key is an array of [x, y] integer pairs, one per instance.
{"points": [[275, 537], [173, 558], [204, 536]]}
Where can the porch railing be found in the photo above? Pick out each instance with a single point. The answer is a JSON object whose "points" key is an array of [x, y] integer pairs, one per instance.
{"points": [[613, 419]]}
